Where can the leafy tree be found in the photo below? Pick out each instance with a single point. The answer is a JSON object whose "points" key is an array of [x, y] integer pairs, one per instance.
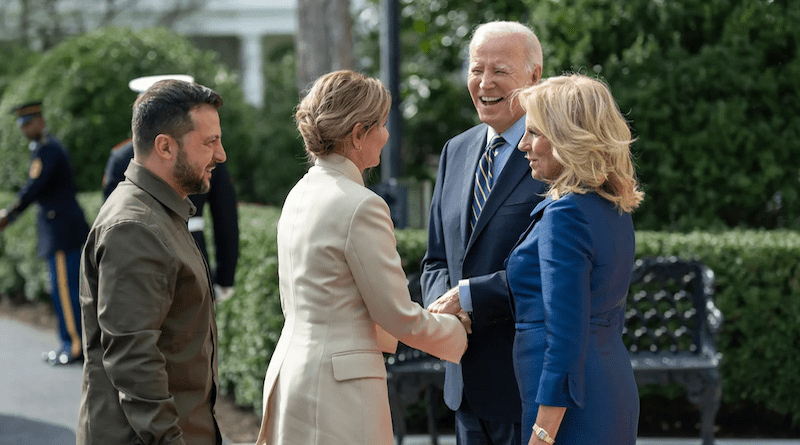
{"points": [[87, 102], [710, 90], [709, 87], [324, 39]]}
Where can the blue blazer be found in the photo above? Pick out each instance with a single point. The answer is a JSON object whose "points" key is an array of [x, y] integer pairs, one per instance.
{"points": [[453, 254], [569, 278]]}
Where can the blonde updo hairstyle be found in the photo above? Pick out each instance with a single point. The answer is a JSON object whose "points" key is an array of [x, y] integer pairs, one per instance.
{"points": [[336, 102], [588, 135]]}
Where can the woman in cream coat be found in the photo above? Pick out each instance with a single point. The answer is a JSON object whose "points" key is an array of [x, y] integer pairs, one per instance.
{"points": [[343, 291]]}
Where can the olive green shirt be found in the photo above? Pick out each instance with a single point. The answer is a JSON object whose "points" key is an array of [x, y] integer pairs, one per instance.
{"points": [[149, 332]]}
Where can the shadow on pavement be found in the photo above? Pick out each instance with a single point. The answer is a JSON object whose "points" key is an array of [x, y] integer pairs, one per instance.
{"points": [[19, 430]]}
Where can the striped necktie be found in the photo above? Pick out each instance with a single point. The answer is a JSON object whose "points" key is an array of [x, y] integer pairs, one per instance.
{"points": [[484, 179]]}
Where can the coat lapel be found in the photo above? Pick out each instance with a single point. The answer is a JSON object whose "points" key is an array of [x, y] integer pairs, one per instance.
{"points": [[472, 154], [536, 215]]}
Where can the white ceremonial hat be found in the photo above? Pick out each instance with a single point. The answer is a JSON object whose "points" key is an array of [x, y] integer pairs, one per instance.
{"points": [[141, 84]]}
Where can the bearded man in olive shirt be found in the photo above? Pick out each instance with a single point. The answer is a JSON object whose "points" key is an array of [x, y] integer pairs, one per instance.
{"points": [[149, 332]]}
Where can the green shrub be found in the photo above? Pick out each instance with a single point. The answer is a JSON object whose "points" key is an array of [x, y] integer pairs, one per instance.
{"points": [[87, 102], [757, 290], [250, 322]]}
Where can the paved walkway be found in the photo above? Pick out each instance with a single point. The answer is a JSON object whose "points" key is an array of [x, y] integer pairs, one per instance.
{"points": [[39, 403]]}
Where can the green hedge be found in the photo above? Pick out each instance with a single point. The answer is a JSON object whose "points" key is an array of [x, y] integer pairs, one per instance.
{"points": [[251, 321], [757, 290]]}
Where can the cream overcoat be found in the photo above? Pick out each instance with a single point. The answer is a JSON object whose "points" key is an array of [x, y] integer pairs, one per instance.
{"points": [[345, 300]]}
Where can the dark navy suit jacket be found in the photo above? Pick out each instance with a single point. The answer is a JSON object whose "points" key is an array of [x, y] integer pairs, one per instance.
{"points": [[454, 253], [60, 221]]}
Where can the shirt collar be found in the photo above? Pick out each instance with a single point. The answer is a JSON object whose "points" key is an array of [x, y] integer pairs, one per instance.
{"points": [[512, 135], [42, 140], [341, 164], [160, 190]]}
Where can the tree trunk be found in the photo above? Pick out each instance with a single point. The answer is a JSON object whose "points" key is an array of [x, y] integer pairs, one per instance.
{"points": [[25, 23], [324, 39]]}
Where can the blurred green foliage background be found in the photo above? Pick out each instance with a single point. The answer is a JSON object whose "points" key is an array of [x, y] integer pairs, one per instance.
{"points": [[709, 88]]}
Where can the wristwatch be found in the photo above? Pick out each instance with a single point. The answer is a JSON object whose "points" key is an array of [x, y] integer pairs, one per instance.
{"points": [[542, 434]]}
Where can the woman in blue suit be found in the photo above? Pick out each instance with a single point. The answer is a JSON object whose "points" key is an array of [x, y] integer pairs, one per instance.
{"points": [[569, 273]]}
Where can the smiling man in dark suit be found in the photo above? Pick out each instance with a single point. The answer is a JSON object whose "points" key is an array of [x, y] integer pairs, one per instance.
{"points": [[482, 202]]}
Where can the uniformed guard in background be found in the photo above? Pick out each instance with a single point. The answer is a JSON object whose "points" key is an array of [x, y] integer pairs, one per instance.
{"points": [[221, 199], [61, 225]]}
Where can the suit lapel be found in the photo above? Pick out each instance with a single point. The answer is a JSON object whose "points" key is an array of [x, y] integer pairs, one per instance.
{"points": [[473, 152], [536, 215]]}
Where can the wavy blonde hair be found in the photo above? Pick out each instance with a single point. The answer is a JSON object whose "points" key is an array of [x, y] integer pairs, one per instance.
{"points": [[336, 102], [589, 137]]}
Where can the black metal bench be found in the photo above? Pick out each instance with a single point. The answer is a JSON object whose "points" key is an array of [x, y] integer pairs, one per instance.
{"points": [[671, 326], [671, 334]]}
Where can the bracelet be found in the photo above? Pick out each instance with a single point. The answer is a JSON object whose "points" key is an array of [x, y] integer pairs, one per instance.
{"points": [[542, 434]]}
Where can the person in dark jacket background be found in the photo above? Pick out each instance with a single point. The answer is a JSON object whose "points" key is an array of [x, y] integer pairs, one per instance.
{"points": [[221, 199], [61, 225]]}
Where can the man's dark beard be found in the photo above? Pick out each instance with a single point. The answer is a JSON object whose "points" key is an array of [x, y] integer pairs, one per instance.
{"points": [[191, 183]]}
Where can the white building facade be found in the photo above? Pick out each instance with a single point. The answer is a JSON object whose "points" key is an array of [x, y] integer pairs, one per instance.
{"points": [[243, 26]]}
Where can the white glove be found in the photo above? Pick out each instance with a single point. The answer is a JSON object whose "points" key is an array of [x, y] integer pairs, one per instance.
{"points": [[223, 293], [3, 219]]}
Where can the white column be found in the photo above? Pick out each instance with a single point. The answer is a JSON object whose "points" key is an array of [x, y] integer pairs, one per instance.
{"points": [[252, 69]]}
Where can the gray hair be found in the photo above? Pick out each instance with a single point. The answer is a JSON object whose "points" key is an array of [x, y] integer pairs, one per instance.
{"points": [[533, 56]]}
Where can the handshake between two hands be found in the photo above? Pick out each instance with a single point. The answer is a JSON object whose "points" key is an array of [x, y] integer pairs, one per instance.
{"points": [[449, 303]]}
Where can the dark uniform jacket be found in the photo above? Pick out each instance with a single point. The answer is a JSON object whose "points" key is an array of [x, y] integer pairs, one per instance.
{"points": [[60, 220], [150, 334], [221, 198]]}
